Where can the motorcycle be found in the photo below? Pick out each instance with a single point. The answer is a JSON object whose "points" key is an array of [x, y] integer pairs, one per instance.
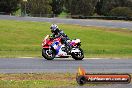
{"points": [[53, 48]]}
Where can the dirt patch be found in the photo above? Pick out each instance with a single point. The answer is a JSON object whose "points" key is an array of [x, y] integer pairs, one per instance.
{"points": [[38, 76]]}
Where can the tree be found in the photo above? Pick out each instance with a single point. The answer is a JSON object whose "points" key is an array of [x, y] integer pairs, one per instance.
{"points": [[67, 5], [57, 6], [38, 7], [9, 6], [104, 7], [108, 5], [121, 11], [83, 7], [129, 4], [98, 7]]}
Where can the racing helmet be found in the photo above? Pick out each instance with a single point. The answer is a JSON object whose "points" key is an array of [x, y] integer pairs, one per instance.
{"points": [[53, 27]]}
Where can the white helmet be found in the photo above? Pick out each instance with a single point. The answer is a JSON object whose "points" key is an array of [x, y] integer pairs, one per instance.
{"points": [[53, 27]]}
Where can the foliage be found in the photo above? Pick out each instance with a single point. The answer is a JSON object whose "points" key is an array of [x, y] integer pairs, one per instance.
{"points": [[57, 6], [39, 7], [83, 7], [73, 7], [63, 15], [67, 5], [121, 11], [103, 7], [9, 6]]}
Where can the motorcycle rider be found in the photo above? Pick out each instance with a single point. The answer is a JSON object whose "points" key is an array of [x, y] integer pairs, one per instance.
{"points": [[56, 33]]}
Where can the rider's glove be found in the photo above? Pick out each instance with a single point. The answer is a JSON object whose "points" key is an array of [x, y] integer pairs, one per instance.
{"points": [[51, 38]]}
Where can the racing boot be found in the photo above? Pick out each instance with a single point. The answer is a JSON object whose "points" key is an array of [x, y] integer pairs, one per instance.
{"points": [[69, 49]]}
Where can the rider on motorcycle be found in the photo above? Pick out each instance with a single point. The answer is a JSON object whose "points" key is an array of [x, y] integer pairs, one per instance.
{"points": [[56, 33]]}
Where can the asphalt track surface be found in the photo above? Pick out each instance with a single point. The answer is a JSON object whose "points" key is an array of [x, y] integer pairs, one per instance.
{"points": [[82, 22], [28, 65]]}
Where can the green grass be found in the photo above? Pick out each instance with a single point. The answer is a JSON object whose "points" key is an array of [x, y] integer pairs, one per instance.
{"points": [[33, 84], [63, 15], [23, 39], [40, 80], [35, 80]]}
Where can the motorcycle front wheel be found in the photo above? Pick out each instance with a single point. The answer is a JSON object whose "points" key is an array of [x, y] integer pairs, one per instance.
{"points": [[48, 54], [78, 55]]}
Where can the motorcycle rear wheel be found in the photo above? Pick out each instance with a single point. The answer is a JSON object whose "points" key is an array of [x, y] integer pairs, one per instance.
{"points": [[48, 55]]}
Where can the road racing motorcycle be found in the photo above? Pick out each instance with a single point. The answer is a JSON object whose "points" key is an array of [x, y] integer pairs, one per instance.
{"points": [[53, 48]]}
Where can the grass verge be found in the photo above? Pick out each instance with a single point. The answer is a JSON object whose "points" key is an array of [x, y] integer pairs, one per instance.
{"points": [[23, 39], [37, 80], [41, 80]]}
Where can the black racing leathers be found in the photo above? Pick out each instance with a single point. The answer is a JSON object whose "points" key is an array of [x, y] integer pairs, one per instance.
{"points": [[59, 33]]}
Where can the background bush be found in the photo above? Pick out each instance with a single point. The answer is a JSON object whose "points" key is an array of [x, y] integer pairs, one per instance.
{"points": [[121, 11]]}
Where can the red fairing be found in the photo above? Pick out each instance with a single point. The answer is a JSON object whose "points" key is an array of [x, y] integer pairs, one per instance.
{"points": [[57, 39], [47, 42], [45, 46]]}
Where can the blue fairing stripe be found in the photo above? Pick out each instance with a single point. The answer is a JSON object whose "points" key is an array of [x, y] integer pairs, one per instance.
{"points": [[53, 44], [57, 50]]}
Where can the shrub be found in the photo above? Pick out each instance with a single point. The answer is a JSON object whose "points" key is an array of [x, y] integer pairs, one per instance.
{"points": [[121, 11]]}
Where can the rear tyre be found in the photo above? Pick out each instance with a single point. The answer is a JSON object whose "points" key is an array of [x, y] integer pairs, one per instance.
{"points": [[48, 54], [79, 55]]}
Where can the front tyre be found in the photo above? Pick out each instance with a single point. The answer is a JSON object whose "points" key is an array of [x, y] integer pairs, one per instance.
{"points": [[48, 54], [78, 55]]}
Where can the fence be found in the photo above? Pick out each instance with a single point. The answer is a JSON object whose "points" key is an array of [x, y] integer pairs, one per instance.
{"points": [[101, 17], [74, 16]]}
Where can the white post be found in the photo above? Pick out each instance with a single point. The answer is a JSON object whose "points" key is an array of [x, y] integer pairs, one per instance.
{"points": [[25, 1]]}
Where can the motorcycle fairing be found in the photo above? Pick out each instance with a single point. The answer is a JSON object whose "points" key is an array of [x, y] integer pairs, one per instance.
{"points": [[75, 50], [56, 46]]}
